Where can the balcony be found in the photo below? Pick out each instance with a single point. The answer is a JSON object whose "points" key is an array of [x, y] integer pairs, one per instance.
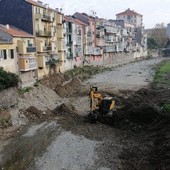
{"points": [[60, 33], [46, 17], [24, 49], [44, 33], [27, 63], [47, 48], [41, 48], [31, 49], [61, 46], [78, 31], [59, 19], [89, 33], [51, 60], [69, 55], [97, 51], [68, 31], [109, 49], [111, 30], [69, 43]]}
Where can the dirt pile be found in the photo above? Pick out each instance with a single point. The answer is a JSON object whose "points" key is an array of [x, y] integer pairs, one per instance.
{"points": [[67, 115], [64, 110], [68, 88], [35, 115], [53, 80], [137, 111]]}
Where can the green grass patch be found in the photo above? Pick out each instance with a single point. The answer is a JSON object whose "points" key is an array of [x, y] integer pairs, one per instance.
{"points": [[24, 90], [162, 75], [166, 108]]}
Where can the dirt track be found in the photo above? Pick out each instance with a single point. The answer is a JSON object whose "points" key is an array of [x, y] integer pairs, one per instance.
{"points": [[65, 141]]}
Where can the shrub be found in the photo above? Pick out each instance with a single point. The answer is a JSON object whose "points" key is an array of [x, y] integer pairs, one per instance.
{"points": [[7, 79]]}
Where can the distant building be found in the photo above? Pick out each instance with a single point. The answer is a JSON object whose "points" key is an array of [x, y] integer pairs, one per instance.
{"points": [[131, 17]]}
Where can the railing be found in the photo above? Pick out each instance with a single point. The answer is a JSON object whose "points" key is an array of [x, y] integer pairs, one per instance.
{"points": [[33, 65], [47, 48], [47, 17], [44, 33], [70, 56], [31, 49], [69, 43], [68, 31]]}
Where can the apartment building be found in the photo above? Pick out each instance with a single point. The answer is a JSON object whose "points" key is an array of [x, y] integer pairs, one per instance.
{"points": [[74, 42], [39, 20], [88, 36], [61, 32], [131, 17], [18, 53]]}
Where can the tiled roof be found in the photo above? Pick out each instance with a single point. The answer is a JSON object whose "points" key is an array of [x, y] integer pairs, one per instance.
{"points": [[129, 12], [72, 19], [15, 32]]}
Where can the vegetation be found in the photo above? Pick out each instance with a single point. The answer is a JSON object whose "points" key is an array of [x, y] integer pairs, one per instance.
{"points": [[162, 75], [8, 79], [84, 72], [162, 79], [25, 90], [152, 44], [157, 38], [166, 107]]}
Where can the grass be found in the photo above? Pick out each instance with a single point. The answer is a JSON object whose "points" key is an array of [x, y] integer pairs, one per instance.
{"points": [[166, 108], [162, 79], [162, 75], [25, 90]]}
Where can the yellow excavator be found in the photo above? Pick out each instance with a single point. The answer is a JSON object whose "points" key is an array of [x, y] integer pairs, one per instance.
{"points": [[99, 105]]}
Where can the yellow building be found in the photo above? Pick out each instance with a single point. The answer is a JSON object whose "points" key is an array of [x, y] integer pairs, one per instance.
{"points": [[18, 53], [45, 30]]}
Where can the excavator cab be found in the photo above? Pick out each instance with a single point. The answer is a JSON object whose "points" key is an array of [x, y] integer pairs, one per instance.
{"points": [[107, 105]]}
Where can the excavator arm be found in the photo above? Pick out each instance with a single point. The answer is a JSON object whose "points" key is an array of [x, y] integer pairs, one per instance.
{"points": [[94, 94]]}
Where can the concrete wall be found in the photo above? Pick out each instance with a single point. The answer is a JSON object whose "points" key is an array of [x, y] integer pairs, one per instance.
{"points": [[114, 59]]}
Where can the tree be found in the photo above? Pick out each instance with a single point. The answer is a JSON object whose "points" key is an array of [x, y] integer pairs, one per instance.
{"points": [[152, 44], [159, 35]]}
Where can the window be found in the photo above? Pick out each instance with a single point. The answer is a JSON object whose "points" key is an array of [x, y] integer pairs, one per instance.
{"points": [[11, 53], [3, 55], [128, 17]]}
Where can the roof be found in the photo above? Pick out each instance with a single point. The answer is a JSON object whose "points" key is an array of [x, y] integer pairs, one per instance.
{"points": [[129, 12], [40, 4], [82, 17], [15, 32], [35, 3], [72, 19]]}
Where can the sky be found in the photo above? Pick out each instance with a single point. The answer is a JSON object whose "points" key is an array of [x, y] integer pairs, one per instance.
{"points": [[153, 11]]}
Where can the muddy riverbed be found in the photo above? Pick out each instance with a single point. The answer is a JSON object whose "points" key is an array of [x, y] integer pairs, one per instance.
{"points": [[65, 142]]}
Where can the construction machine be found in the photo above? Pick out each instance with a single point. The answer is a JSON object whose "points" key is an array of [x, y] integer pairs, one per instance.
{"points": [[99, 105]]}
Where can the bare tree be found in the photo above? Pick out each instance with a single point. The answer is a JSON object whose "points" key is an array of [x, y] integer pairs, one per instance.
{"points": [[159, 35]]}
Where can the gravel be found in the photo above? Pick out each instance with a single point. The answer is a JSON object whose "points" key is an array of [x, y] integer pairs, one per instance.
{"points": [[68, 152], [129, 77]]}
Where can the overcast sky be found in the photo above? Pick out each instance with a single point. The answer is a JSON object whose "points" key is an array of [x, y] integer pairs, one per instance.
{"points": [[153, 11]]}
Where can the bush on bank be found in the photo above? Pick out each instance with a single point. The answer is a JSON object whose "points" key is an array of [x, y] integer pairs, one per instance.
{"points": [[8, 79]]}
